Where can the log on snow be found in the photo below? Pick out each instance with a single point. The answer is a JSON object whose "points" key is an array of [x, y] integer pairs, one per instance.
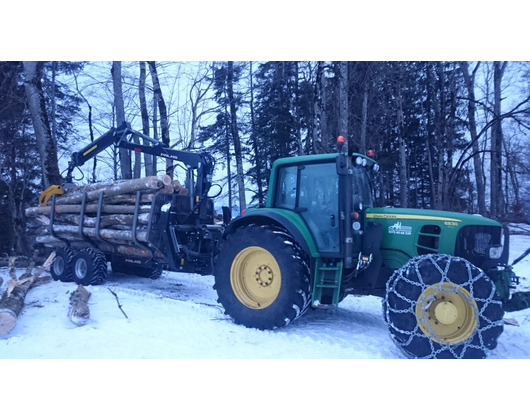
{"points": [[13, 298], [125, 187], [78, 312]]}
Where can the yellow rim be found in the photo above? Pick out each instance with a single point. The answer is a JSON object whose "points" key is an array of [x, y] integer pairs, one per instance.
{"points": [[255, 277], [447, 313]]}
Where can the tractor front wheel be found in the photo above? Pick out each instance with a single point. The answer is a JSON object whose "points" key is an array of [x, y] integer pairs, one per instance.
{"points": [[439, 306], [262, 277]]}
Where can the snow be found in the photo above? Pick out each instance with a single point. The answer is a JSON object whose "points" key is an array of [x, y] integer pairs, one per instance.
{"points": [[178, 317]]}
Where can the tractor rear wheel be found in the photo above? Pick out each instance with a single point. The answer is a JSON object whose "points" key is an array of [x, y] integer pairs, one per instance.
{"points": [[89, 267], [439, 306], [262, 277], [61, 268]]}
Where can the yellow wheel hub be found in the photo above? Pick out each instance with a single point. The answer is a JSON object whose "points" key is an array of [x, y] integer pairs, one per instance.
{"points": [[255, 277], [447, 313]]}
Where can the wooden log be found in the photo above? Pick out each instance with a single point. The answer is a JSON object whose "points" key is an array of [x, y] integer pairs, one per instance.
{"points": [[125, 187], [166, 179], [13, 298], [128, 199], [79, 313], [122, 249], [90, 208], [106, 221], [109, 234]]}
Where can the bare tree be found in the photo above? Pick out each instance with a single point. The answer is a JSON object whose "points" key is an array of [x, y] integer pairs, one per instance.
{"points": [[164, 122], [254, 139], [471, 111], [496, 193], [145, 117], [41, 125], [235, 136], [343, 102], [125, 158]]}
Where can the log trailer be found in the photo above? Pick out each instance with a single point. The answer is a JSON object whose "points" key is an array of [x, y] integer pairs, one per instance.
{"points": [[181, 234], [443, 277]]}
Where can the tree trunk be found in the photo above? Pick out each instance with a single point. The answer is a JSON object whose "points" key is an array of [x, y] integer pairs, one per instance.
{"points": [[364, 118], [145, 119], [477, 159], [164, 122], [297, 111], [45, 143], [235, 137], [259, 182], [343, 103], [125, 157], [403, 184], [79, 313], [496, 187]]}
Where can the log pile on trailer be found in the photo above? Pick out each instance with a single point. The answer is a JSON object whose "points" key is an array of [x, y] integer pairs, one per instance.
{"points": [[112, 215]]}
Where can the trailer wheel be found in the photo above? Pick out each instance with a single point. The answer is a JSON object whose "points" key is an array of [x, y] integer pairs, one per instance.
{"points": [[61, 269], [439, 306], [262, 277], [89, 267]]}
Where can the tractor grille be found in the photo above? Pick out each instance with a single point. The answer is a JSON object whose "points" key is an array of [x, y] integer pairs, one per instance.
{"points": [[473, 241]]}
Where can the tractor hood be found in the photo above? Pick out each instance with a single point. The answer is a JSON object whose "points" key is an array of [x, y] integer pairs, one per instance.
{"points": [[411, 232]]}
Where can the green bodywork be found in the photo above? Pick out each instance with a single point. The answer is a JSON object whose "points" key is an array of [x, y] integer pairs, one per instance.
{"points": [[280, 216], [407, 233], [402, 230]]}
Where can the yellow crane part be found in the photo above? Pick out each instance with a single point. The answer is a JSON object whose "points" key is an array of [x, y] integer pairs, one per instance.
{"points": [[48, 192]]}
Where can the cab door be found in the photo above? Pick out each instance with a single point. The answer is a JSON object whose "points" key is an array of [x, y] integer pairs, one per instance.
{"points": [[319, 186]]}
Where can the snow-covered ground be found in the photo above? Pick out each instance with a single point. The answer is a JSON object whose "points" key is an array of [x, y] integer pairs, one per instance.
{"points": [[178, 317]]}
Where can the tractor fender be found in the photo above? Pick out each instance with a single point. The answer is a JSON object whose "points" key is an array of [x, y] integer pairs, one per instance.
{"points": [[296, 228]]}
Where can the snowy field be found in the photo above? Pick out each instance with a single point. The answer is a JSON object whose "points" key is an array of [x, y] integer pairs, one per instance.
{"points": [[178, 317]]}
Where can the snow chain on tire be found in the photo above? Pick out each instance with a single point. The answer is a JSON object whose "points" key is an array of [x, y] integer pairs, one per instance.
{"points": [[439, 306]]}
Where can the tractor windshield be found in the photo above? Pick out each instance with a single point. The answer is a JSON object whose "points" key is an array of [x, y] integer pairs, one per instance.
{"points": [[362, 186]]}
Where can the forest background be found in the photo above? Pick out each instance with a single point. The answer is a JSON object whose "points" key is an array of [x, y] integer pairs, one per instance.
{"points": [[448, 135]]}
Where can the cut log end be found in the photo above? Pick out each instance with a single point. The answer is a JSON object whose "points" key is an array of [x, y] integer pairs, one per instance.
{"points": [[79, 313], [8, 320]]}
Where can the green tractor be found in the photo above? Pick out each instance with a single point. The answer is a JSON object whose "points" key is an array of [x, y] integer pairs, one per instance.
{"points": [[444, 277]]}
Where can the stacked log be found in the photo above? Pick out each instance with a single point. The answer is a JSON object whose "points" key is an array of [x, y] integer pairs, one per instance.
{"points": [[117, 213]]}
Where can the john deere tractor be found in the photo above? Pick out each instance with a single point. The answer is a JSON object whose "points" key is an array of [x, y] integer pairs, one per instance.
{"points": [[444, 277]]}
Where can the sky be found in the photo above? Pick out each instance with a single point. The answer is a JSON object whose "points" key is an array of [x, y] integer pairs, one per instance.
{"points": [[178, 316]]}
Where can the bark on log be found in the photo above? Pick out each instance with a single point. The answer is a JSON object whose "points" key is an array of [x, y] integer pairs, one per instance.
{"points": [[12, 300], [79, 313], [122, 249], [128, 199], [89, 208], [106, 221], [126, 187], [110, 234]]}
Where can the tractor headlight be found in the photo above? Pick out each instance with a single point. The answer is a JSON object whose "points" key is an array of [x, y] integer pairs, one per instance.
{"points": [[496, 252]]}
